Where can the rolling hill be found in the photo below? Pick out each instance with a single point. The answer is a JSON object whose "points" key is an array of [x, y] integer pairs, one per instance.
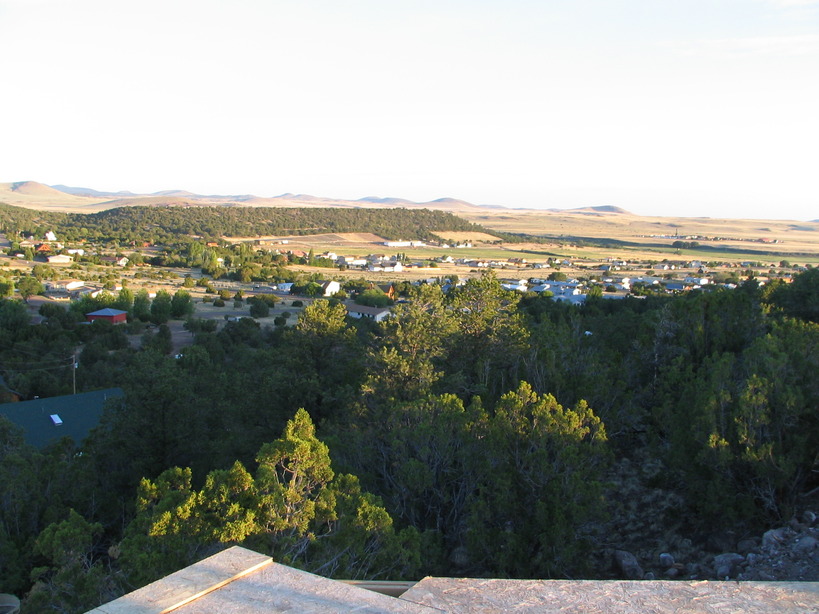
{"points": [[604, 221]]}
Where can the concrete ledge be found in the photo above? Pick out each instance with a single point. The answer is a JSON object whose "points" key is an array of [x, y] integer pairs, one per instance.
{"points": [[240, 581], [615, 597], [393, 588], [278, 589], [189, 584]]}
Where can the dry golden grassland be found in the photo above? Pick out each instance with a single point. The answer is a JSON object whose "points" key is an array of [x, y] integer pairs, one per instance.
{"points": [[574, 234], [796, 241]]}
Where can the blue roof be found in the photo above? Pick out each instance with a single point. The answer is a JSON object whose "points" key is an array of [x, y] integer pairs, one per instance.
{"points": [[77, 414], [106, 312]]}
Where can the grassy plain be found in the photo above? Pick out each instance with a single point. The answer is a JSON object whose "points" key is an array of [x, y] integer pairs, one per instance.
{"points": [[591, 234], [641, 237]]}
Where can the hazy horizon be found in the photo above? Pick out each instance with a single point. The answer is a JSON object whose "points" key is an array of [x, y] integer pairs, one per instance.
{"points": [[697, 109]]}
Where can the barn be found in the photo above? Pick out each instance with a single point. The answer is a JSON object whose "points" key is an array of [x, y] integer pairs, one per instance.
{"points": [[115, 316]]}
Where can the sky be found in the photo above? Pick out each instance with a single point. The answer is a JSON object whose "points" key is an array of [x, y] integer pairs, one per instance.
{"points": [[662, 107]]}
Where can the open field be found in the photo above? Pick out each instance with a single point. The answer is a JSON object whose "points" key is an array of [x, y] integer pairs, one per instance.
{"points": [[651, 233], [619, 247], [592, 234], [464, 237], [327, 241]]}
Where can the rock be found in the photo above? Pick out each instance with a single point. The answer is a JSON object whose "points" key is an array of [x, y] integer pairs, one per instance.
{"points": [[649, 575], [773, 538], [721, 542], [805, 544], [666, 560], [744, 546], [628, 565], [724, 572], [731, 558], [672, 573], [725, 565], [752, 559], [794, 524], [459, 557], [809, 518]]}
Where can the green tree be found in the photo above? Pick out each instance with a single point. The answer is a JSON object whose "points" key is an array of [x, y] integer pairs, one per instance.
{"points": [[321, 319], [423, 457], [259, 309], [489, 348], [161, 308], [161, 341], [312, 289], [73, 580], [142, 306], [800, 299], [373, 297], [408, 356], [540, 485], [294, 508], [28, 286], [181, 305], [124, 300]]}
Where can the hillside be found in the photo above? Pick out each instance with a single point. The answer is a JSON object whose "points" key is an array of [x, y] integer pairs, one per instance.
{"points": [[599, 209], [32, 188], [177, 223], [604, 222], [34, 195]]}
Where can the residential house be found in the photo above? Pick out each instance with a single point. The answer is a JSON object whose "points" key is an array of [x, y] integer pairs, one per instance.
{"points": [[363, 311], [59, 259], [677, 286], [114, 260], [115, 316], [329, 288], [45, 421], [351, 261], [574, 299], [517, 285], [389, 290], [697, 281], [387, 266], [64, 285]]}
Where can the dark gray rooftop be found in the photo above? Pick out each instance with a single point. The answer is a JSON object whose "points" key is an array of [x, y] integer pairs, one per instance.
{"points": [[79, 413]]}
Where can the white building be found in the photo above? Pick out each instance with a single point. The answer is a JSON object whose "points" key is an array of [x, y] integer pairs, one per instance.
{"points": [[329, 288], [363, 311]]}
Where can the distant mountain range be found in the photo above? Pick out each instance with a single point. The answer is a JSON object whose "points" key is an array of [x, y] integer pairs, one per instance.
{"points": [[62, 197], [90, 192]]}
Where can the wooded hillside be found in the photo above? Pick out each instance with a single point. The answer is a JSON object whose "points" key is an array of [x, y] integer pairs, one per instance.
{"points": [[174, 224]]}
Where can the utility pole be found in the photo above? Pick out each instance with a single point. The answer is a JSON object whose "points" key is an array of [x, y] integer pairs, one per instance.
{"points": [[74, 370]]}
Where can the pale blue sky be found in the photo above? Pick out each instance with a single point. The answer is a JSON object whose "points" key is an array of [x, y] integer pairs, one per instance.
{"points": [[684, 107]]}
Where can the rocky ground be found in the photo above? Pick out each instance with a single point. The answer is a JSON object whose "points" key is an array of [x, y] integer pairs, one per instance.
{"points": [[646, 539]]}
